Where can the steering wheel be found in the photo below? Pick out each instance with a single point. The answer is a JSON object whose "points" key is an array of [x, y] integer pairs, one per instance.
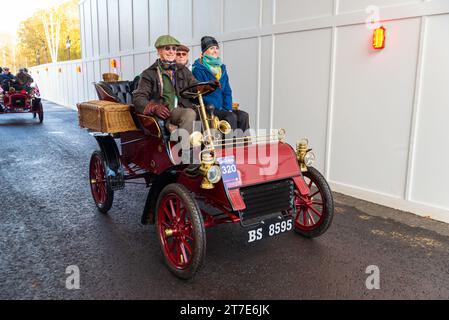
{"points": [[203, 88]]}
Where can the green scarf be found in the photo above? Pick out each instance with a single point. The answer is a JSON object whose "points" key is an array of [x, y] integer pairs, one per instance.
{"points": [[213, 64]]}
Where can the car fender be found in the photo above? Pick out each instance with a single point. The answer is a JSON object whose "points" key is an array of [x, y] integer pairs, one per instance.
{"points": [[168, 176], [114, 169]]}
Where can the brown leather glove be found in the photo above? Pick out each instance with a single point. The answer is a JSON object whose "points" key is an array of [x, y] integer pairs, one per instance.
{"points": [[205, 88], [157, 109]]}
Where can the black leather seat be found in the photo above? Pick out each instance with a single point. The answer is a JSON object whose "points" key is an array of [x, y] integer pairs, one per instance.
{"points": [[121, 91]]}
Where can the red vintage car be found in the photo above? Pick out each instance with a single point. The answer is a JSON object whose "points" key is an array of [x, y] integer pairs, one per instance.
{"points": [[19, 100], [184, 200]]}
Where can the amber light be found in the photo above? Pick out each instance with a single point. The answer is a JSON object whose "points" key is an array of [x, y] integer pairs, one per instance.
{"points": [[113, 63], [379, 38], [78, 69]]}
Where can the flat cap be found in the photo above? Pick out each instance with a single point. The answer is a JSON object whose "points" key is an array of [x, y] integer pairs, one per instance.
{"points": [[166, 40], [182, 47]]}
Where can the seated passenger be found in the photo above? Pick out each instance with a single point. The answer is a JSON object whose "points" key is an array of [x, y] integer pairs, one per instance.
{"points": [[209, 68], [182, 55], [7, 78], [157, 93], [24, 80]]}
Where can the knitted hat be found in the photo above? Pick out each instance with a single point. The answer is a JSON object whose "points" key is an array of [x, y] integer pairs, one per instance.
{"points": [[207, 42]]}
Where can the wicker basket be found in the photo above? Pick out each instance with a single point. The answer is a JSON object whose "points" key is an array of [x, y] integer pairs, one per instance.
{"points": [[105, 116], [110, 77]]}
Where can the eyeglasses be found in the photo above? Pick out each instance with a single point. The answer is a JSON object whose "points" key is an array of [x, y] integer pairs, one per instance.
{"points": [[181, 54], [168, 48]]}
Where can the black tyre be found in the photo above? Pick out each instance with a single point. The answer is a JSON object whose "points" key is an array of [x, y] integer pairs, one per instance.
{"points": [[102, 192], [315, 211], [40, 112], [180, 230]]}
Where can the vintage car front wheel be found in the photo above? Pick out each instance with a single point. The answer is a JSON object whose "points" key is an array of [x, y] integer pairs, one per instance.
{"points": [[316, 210], [180, 230], [101, 190]]}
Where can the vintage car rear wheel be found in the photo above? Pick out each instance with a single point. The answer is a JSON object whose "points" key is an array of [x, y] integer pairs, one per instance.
{"points": [[40, 112], [180, 230], [101, 190], [315, 211]]}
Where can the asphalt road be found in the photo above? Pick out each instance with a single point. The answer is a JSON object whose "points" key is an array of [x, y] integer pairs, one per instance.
{"points": [[48, 222]]}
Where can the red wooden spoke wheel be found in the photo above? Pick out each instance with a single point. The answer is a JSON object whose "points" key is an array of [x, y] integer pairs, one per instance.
{"points": [[101, 191], [314, 211], [180, 229]]}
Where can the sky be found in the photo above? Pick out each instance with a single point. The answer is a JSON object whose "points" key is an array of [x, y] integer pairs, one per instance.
{"points": [[15, 11]]}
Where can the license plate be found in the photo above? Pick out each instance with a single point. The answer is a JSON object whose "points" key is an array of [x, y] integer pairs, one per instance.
{"points": [[270, 228], [229, 172], [18, 110]]}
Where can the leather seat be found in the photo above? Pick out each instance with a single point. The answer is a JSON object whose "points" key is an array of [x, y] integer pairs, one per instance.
{"points": [[121, 91]]}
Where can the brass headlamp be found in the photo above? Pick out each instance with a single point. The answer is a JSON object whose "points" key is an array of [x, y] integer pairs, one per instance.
{"points": [[304, 155]]}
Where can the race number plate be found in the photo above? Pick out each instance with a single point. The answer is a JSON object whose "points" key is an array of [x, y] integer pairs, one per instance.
{"points": [[229, 172], [270, 228]]}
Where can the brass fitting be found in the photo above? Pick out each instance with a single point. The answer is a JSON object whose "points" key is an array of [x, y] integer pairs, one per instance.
{"points": [[207, 161], [301, 151]]}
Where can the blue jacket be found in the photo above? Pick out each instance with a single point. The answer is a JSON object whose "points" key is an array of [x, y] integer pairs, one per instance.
{"points": [[221, 98]]}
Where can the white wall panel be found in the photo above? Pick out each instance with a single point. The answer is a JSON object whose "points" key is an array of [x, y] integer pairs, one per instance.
{"points": [[126, 24], [141, 62], [141, 24], [113, 26], [88, 28], [290, 10], [153, 57], [265, 82], [83, 31], [104, 66], [300, 99], [127, 68], [180, 19], [267, 12], [158, 19], [103, 26], [240, 15], [374, 93], [95, 36], [242, 64], [97, 71], [90, 80], [205, 23], [195, 53], [354, 5], [431, 169], [80, 84]]}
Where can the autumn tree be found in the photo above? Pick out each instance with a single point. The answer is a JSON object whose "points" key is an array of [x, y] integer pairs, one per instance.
{"points": [[38, 42]]}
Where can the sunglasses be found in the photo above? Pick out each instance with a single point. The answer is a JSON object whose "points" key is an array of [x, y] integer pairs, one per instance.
{"points": [[181, 54], [168, 48]]}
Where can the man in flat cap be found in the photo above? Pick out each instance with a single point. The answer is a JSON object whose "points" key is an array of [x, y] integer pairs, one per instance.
{"points": [[158, 91], [182, 55]]}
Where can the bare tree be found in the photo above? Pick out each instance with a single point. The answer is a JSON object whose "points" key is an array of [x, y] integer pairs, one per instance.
{"points": [[52, 29]]}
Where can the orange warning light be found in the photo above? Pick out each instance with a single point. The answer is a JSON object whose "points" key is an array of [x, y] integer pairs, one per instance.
{"points": [[379, 38]]}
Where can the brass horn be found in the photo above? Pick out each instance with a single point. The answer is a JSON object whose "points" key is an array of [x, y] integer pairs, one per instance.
{"points": [[221, 125]]}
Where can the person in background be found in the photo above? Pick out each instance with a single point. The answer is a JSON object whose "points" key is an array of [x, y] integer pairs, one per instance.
{"points": [[209, 67], [182, 55], [24, 80], [6, 78]]}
